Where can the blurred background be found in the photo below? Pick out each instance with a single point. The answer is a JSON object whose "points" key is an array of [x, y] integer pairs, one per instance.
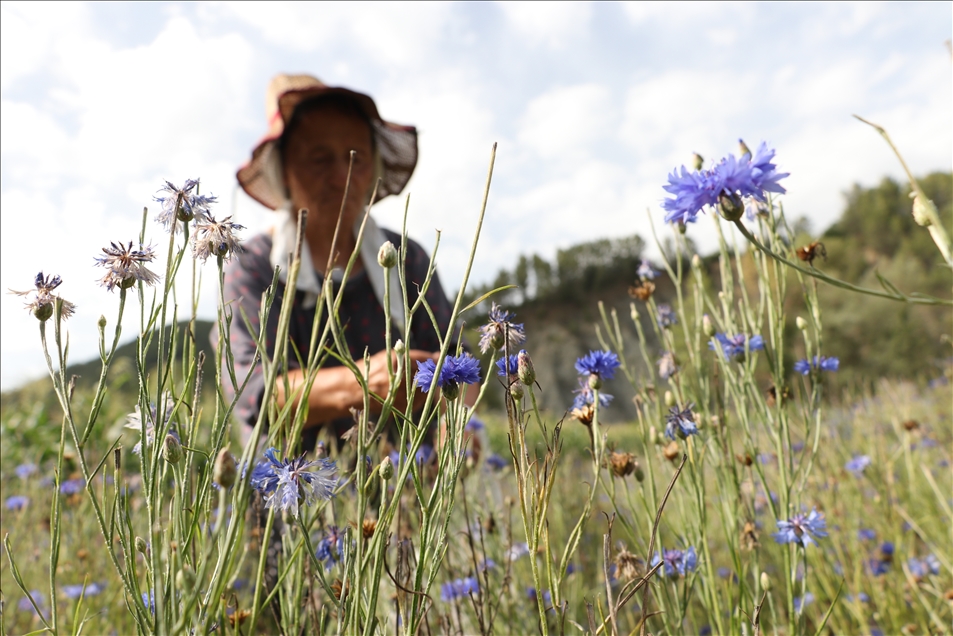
{"points": [[592, 106]]}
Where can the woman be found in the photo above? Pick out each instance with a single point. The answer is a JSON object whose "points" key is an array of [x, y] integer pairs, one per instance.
{"points": [[302, 162]]}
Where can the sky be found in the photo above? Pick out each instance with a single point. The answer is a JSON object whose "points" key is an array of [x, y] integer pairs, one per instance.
{"points": [[592, 105]]}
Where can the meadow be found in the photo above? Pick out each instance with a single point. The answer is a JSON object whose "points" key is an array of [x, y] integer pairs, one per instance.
{"points": [[744, 497]]}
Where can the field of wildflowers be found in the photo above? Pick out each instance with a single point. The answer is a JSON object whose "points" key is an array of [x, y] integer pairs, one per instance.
{"points": [[741, 500]]}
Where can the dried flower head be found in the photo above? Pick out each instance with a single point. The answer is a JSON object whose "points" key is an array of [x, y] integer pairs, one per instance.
{"points": [[749, 536], [583, 405], [622, 464], [125, 266], [809, 252], [500, 330], [911, 425], [44, 300], [215, 238], [628, 566], [368, 527], [643, 290], [671, 451]]}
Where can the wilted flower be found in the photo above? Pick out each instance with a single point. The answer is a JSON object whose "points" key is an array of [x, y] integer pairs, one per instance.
{"points": [[622, 464], [460, 588], [181, 203], [726, 185], [17, 502], [666, 365], [456, 370], [331, 547], [215, 238], [799, 528], [125, 266], [25, 470], [583, 405], [44, 300], [858, 464], [666, 316], [628, 566], [677, 562], [500, 330], [821, 363], [734, 346], [646, 271], [680, 422], [134, 421], [286, 483]]}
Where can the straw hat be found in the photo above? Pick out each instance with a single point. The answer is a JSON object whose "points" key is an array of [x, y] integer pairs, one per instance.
{"points": [[262, 176]]}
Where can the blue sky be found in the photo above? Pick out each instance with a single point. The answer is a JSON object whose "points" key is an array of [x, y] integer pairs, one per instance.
{"points": [[592, 105]]}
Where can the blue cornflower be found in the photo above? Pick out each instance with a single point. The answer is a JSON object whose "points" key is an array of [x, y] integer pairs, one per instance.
{"points": [[728, 183], [423, 456], [474, 424], [25, 470], [601, 364], [866, 534], [547, 596], [922, 567], [24, 604], [677, 562], [125, 266], [517, 551], [882, 565], [17, 502], [72, 486], [585, 395], [800, 602], [858, 464], [331, 547], [285, 483], [149, 600], [460, 588], [799, 528], [646, 271], [215, 238], [182, 203], [134, 421], [820, 363], [734, 346], [500, 330], [486, 564], [496, 463], [44, 300], [75, 591], [680, 422], [666, 316], [862, 597], [456, 370], [507, 366]]}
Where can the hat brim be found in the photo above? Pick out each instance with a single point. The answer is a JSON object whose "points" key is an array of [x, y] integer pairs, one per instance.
{"points": [[261, 176]]}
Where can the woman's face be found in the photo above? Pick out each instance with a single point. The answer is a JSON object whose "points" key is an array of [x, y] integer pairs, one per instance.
{"points": [[316, 157]]}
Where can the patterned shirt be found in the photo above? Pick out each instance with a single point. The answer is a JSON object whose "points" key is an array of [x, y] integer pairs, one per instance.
{"points": [[361, 315]]}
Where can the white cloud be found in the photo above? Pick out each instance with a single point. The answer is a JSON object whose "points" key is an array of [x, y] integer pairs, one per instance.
{"points": [[552, 24], [567, 123]]}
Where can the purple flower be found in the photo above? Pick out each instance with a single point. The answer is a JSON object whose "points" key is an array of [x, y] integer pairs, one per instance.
{"points": [[862, 597], [585, 396], [496, 463], [801, 602], [858, 464], [181, 203], [680, 422], [922, 567], [423, 456], [25, 470], [456, 370], [799, 528], [666, 316], [547, 596], [507, 366], [215, 238], [331, 547], [134, 422], [125, 266], [17, 502], [677, 562], [75, 591], [285, 483], [72, 486], [866, 534], [646, 271], [734, 346], [820, 363], [599, 363], [474, 424], [460, 588], [24, 604], [749, 177], [44, 300], [500, 331]]}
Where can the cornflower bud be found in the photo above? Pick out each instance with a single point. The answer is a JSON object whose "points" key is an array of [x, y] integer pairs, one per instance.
{"points": [[172, 449], [141, 545], [765, 581], [524, 368], [639, 473], [699, 161], [102, 322], [399, 347], [707, 326], [669, 399], [697, 261], [743, 147], [801, 323], [731, 206], [633, 312], [654, 436], [225, 471], [595, 381], [185, 579], [516, 391], [921, 211], [386, 469], [387, 256]]}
